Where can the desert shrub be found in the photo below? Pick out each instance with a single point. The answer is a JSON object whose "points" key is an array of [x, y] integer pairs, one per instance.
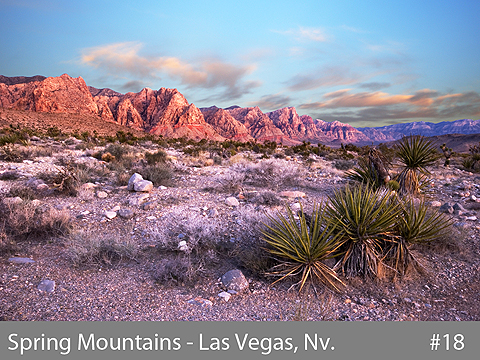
{"points": [[159, 156], [66, 180], [372, 170], [231, 182], [87, 249], [12, 153], [180, 269], [268, 198], [107, 157], [7, 245], [415, 153], [273, 173], [302, 246], [365, 220], [417, 224], [23, 191], [343, 164], [9, 175], [27, 220], [160, 174]]}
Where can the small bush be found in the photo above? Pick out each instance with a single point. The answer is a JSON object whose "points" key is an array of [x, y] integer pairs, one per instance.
{"points": [[27, 220], [160, 174], [159, 156], [344, 164], [303, 246], [179, 270], [107, 157], [87, 249]]}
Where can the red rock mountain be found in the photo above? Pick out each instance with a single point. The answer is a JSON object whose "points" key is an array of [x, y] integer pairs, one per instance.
{"points": [[226, 124], [166, 112]]}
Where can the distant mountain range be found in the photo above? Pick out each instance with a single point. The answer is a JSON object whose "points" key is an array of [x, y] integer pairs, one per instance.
{"points": [[166, 112]]}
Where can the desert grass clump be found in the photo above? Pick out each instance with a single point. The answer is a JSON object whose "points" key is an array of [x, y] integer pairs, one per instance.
{"points": [[415, 153], [87, 249], [272, 173], [27, 220], [302, 246], [159, 174], [159, 156], [365, 221]]}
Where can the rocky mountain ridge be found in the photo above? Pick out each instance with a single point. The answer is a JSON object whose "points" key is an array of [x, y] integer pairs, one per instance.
{"points": [[166, 112]]}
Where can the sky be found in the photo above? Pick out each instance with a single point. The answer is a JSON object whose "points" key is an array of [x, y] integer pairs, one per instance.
{"points": [[366, 63]]}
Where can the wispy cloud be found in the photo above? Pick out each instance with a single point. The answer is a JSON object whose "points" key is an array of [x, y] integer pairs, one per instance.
{"points": [[356, 108], [272, 102], [374, 86], [121, 58], [316, 34], [328, 76]]}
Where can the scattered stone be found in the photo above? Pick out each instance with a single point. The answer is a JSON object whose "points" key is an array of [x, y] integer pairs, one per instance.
{"points": [[110, 214], [233, 292], [12, 200], [209, 162], [459, 207], [102, 195], [235, 280], [461, 225], [138, 200], [225, 295], [231, 201], [348, 301], [182, 246], [161, 187], [143, 186], [408, 300], [85, 212], [293, 194], [295, 207], [473, 198], [21, 260], [151, 217], [149, 205], [87, 186], [126, 213], [213, 213], [47, 286], [435, 203], [200, 302], [116, 208], [42, 187], [134, 179], [471, 218], [447, 208]]}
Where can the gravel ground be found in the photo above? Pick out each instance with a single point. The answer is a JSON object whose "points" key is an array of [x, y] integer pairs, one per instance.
{"points": [[127, 291]]}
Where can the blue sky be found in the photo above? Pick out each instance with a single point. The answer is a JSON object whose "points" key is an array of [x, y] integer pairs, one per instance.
{"points": [[367, 63]]}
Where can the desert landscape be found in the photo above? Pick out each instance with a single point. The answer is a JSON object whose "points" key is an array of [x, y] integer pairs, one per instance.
{"points": [[154, 215]]}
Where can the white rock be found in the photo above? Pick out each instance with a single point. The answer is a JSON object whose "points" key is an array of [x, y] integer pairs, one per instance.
{"points": [[471, 218], [225, 295], [116, 208], [231, 201], [435, 203], [161, 187], [102, 195], [182, 246], [143, 186], [133, 179], [110, 214], [295, 207]]}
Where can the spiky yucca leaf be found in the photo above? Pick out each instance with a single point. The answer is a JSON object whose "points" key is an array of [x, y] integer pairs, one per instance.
{"points": [[416, 225], [364, 173], [365, 220], [301, 246], [416, 153]]}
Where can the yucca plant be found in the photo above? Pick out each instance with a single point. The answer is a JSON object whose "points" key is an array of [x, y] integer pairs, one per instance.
{"points": [[365, 221], [301, 246], [416, 225], [415, 153], [372, 170]]}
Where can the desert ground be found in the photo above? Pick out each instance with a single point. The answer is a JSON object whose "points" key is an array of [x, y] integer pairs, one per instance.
{"points": [[98, 250]]}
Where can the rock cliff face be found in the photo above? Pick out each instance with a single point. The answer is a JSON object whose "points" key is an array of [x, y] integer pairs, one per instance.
{"points": [[225, 124], [166, 112], [62, 94], [340, 132]]}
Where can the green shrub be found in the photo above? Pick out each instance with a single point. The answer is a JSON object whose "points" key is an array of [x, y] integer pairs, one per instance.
{"points": [[159, 156], [302, 247], [365, 221]]}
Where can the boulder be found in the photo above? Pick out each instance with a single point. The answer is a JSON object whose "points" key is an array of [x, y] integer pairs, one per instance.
{"points": [[143, 186], [231, 201], [235, 280], [133, 179]]}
